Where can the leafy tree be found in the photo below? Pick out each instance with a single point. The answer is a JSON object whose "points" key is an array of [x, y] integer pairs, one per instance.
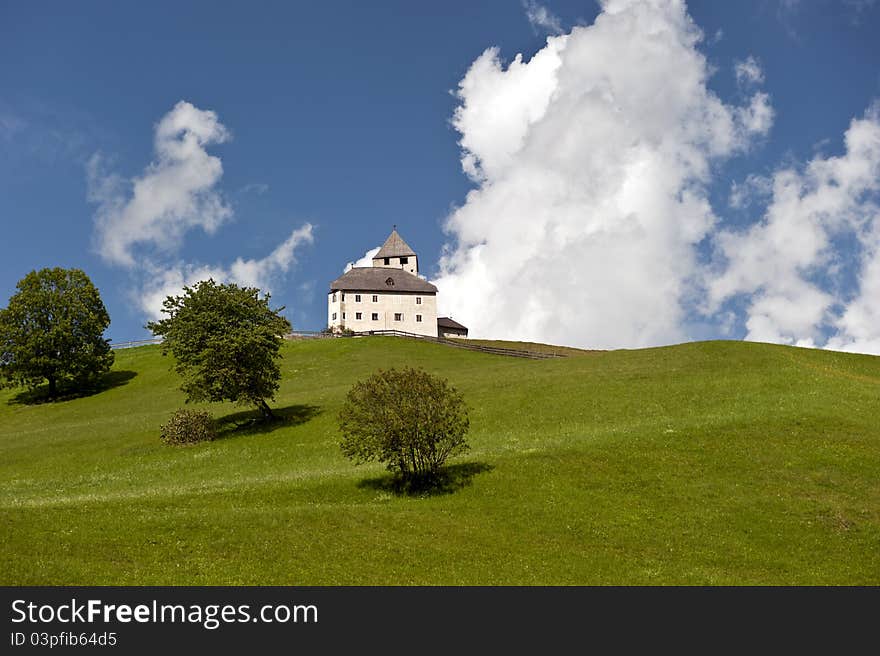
{"points": [[409, 419], [225, 340], [53, 330]]}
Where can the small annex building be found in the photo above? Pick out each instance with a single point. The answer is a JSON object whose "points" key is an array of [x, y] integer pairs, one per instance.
{"points": [[447, 327], [390, 295]]}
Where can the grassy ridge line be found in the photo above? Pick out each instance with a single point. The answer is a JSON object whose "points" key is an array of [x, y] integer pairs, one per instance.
{"points": [[533, 347], [702, 463]]}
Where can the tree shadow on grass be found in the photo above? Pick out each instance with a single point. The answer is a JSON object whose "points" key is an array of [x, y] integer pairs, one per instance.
{"points": [[447, 481], [41, 394], [251, 422]]}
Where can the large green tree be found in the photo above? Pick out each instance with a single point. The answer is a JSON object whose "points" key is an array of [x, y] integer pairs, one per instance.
{"points": [[53, 330], [225, 340]]}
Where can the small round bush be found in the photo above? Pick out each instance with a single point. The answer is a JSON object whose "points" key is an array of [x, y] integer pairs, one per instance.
{"points": [[410, 420], [188, 427]]}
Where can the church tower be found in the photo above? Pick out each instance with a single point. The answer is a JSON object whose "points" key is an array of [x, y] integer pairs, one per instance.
{"points": [[396, 253]]}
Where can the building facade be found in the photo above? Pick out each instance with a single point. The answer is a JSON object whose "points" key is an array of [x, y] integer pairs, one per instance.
{"points": [[390, 295]]}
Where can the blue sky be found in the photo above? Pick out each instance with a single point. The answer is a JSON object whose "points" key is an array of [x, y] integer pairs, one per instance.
{"points": [[348, 117]]}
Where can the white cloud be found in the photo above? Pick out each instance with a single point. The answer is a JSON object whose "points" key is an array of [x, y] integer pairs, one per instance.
{"points": [[140, 225], [499, 106], [10, 125], [541, 18], [753, 188], [164, 281], [365, 261], [259, 273], [858, 327], [592, 161], [785, 264], [748, 72], [258, 188], [757, 116], [174, 194]]}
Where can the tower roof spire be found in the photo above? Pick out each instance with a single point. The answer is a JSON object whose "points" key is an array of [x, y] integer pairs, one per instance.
{"points": [[394, 246]]}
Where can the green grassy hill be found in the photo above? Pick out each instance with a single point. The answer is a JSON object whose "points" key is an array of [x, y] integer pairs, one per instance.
{"points": [[706, 463]]}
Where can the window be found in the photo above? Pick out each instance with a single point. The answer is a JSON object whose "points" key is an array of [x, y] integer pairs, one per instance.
{"points": [[343, 316], [358, 316], [418, 300], [388, 281], [398, 316], [334, 297], [374, 316], [357, 298], [404, 260], [387, 261], [334, 316], [418, 318], [343, 296], [375, 298]]}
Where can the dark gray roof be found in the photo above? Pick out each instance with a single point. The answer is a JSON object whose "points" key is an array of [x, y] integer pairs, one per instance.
{"points": [[375, 279], [446, 322], [394, 246]]}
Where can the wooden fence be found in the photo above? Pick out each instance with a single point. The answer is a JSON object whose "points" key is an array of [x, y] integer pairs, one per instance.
{"points": [[314, 334], [495, 350], [136, 342]]}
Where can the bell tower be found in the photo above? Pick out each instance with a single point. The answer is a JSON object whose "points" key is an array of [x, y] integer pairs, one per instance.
{"points": [[397, 254]]}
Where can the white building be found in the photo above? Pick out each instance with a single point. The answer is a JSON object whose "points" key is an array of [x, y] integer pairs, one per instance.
{"points": [[390, 295]]}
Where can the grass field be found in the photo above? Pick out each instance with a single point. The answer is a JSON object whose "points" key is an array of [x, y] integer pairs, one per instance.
{"points": [[705, 463], [533, 347], [523, 346]]}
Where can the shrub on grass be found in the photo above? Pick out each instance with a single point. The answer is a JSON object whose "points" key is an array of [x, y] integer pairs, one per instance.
{"points": [[337, 331], [188, 427], [410, 420]]}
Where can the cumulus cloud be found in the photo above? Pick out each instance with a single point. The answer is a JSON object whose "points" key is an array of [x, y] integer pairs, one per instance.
{"points": [[259, 273], [858, 327], [174, 194], [748, 72], [753, 188], [757, 116], [592, 161], [541, 18], [169, 280], [162, 281], [786, 265], [140, 224], [365, 261]]}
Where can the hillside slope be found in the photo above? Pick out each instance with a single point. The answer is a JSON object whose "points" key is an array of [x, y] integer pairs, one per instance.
{"points": [[709, 463]]}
